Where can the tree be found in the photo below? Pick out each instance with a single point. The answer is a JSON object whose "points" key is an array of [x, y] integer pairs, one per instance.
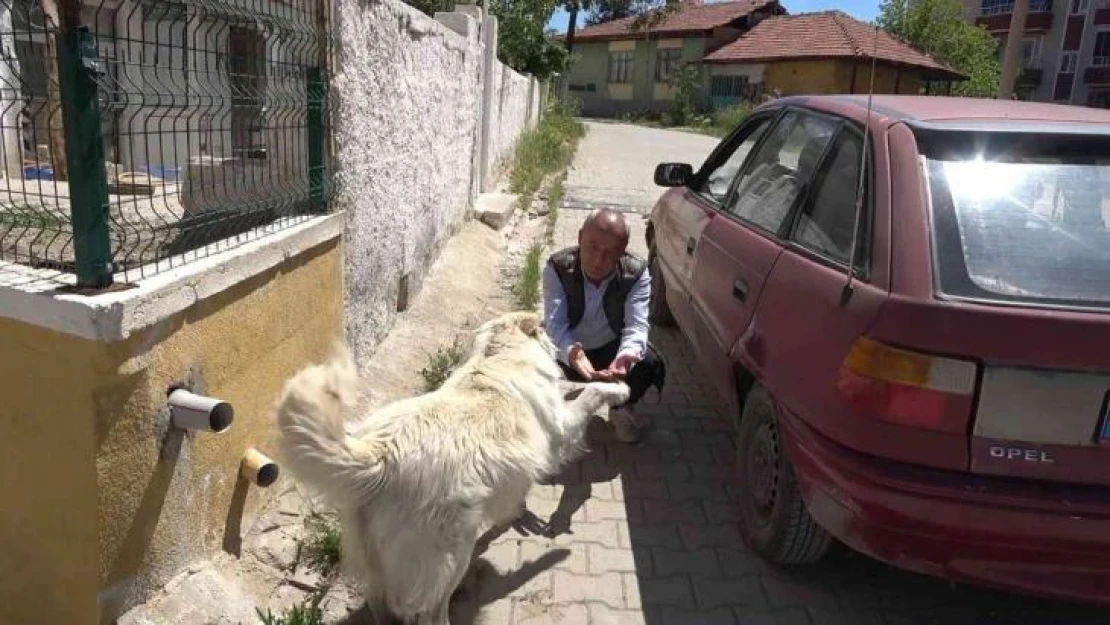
{"points": [[601, 12], [523, 40], [646, 13], [938, 27]]}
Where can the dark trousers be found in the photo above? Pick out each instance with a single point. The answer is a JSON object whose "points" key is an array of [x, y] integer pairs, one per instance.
{"points": [[649, 371]]}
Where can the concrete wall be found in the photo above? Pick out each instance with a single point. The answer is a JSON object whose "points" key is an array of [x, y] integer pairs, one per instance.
{"points": [[412, 96], [512, 110], [106, 502]]}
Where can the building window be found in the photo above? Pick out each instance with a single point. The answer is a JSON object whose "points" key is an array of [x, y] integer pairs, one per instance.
{"points": [[620, 66], [1068, 62], [996, 7], [1001, 7], [667, 62], [729, 87], [1102, 49], [1079, 6], [1031, 53]]}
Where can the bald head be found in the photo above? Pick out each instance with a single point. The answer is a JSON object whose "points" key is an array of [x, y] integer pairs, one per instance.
{"points": [[601, 243], [608, 222]]}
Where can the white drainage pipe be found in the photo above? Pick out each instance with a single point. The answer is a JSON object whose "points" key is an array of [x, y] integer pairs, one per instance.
{"points": [[196, 412], [258, 469]]}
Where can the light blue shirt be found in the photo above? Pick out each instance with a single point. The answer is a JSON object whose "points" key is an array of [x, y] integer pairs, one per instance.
{"points": [[593, 330]]}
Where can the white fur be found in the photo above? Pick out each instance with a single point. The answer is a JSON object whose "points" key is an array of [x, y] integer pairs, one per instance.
{"points": [[418, 481]]}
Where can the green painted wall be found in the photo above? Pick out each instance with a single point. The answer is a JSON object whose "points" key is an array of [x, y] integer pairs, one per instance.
{"points": [[591, 67]]}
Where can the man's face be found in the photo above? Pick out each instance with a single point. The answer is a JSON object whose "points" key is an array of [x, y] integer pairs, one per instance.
{"points": [[599, 251]]}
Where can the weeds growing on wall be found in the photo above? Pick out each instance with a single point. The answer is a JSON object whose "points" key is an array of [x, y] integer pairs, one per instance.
{"points": [[527, 287], [442, 364], [545, 149]]}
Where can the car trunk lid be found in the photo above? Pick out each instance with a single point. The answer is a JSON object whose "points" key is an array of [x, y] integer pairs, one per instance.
{"points": [[1041, 399], [1042, 423]]}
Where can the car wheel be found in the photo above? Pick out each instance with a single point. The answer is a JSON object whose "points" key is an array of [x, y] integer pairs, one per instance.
{"points": [[659, 313], [774, 521]]}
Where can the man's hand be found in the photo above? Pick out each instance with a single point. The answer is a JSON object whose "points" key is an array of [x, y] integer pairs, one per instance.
{"points": [[621, 365], [581, 364], [578, 361]]}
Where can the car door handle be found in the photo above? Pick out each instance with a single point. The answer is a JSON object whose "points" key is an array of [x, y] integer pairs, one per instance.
{"points": [[691, 243], [740, 290]]}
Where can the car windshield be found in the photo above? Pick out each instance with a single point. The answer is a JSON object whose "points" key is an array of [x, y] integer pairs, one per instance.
{"points": [[1033, 229]]}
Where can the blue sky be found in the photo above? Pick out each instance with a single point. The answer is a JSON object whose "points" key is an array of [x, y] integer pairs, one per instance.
{"points": [[863, 9]]}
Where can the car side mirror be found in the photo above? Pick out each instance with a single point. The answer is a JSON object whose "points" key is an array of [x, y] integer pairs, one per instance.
{"points": [[673, 174]]}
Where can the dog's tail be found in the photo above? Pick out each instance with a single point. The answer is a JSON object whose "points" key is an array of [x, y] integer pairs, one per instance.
{"points": [[310, 416]]}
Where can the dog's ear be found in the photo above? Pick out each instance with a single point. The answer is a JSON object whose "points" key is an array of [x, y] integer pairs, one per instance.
{"points": [[530, 326]]}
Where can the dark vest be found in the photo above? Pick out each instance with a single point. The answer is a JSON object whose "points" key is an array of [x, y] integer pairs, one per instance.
{"points": [[566, 266]]}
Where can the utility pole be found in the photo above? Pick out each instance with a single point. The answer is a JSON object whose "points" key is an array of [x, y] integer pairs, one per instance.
{"points": [[1011, 59], [572, 25]]}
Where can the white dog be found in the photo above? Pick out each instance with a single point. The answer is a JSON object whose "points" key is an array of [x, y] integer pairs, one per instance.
{"points": [[420, 480]]}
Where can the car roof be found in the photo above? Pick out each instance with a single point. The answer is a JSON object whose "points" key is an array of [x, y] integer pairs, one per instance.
{"points": [[961, 113]]}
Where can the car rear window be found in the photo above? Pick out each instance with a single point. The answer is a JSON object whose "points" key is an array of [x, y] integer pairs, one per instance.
{"points": [[1022, 224]]}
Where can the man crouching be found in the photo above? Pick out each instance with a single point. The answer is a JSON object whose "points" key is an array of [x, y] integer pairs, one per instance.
{"points": [[596, 298]]}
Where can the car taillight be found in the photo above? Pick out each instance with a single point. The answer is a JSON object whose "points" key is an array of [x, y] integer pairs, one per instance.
{"points": [[908, 388]]}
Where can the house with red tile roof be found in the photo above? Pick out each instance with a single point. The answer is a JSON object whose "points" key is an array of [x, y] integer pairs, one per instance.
{"points": [[623, 67], [826, 52], [742, 49]]}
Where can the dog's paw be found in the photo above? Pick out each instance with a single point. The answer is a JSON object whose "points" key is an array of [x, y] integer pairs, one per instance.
{"points": [[617, 393], [529, 524]]}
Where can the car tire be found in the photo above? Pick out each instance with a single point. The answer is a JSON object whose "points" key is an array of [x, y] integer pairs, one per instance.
{"points": [[774, 521], [659, 313]]}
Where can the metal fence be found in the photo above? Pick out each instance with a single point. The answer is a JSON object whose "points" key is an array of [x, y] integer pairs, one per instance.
{"points": [[140, 134]]}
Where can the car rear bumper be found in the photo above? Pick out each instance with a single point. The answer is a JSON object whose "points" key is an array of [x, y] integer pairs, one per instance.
{"points": [[1036, 538]]}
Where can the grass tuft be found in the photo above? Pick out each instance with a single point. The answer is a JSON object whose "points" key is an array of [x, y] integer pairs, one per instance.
{"points": [[320, 549], [527, 287], [442, 364], [303, 614]]}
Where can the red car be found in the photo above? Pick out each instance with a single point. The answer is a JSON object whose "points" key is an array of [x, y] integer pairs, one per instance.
{"points": [[923, 374]]}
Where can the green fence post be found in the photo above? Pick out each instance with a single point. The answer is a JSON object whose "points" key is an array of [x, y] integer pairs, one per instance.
{"points": [[88, 179], [317, 140]]}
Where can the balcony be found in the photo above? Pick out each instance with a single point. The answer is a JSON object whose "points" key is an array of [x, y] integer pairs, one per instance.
{"points": [[1099, 71], [1102, 13], [995, 16]]}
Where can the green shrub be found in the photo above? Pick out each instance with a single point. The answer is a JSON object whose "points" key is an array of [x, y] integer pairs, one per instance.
{"points": [[727, 119]]}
